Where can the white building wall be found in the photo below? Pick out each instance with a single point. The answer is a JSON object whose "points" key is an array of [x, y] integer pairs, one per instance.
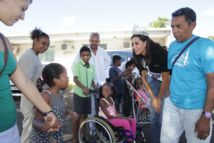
{"points": [[113, 39]]}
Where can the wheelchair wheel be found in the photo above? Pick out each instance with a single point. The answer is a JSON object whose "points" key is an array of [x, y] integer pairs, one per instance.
{"points": [[101, 133]]}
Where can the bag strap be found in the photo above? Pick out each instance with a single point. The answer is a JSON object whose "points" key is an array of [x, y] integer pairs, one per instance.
{"points": [[192, 41], [5, 52]]}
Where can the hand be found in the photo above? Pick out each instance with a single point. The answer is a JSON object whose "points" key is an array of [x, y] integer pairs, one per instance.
{"points": [[96, 89], [51, 114], [120, 75], [156, 105], [51, 128], [56, 126], [133, 73], [118, 115], [129, 119], [141, 103], [159, 102], [73, 114], [203, 127], [86, 91]]}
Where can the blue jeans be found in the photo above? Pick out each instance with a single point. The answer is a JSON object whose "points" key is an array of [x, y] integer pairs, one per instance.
{"points": [[156, 119]]}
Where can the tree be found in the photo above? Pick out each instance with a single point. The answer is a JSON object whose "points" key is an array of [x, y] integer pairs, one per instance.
{"points": [[211, 37], [161, 22]]}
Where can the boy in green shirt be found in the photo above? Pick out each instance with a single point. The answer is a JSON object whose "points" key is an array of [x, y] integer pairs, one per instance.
{"points": [[84, 73]]}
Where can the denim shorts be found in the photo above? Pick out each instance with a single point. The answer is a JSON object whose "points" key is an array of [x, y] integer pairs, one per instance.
{"points": [[82, 105]]}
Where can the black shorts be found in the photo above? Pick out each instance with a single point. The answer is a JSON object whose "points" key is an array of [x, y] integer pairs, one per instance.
{"points": [[82, 105]]}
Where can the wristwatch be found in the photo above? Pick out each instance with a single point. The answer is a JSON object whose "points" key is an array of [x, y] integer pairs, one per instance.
{"points": [[207, 114], [46, 113]]}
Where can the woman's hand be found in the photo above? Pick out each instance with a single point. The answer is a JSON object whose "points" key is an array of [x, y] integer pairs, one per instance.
{"points": [[52, 128], [53, 117], [156, 105]]}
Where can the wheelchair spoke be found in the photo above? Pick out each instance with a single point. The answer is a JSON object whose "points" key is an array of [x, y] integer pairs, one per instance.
{"points": [[95, 130]]}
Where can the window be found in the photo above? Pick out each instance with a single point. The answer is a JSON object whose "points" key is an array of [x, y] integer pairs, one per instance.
{"points": [[48, 56], [104, 46]]}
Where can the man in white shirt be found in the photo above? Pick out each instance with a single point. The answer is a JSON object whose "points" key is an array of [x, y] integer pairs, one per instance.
{"points": [[101, 60]]}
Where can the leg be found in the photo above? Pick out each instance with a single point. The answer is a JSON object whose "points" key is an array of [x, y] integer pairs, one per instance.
{"points": [[78, 105], [172, 126], [75, 128], [155, 126], [121, 123], [126, 104], [190, 119], [117, 102], [133, 126], [156, 119], [82, 118], [92, 106], [28, 113]]}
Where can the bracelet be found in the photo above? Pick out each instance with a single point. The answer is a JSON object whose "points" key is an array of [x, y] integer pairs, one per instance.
{"points": [[46, 113]]}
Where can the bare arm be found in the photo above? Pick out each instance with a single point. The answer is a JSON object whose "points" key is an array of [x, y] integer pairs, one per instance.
{"points": [[28, 88], [40, 124], [164, 85], [104, 107], [203, 124], [71, 113], [94, 86], [155, 103]]}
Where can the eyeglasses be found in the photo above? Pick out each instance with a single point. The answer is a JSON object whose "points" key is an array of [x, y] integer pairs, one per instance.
{"points": [[64, 75], [88, 55]]}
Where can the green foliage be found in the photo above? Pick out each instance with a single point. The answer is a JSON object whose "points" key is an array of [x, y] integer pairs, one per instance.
{"points": [[70, 86], [161, 22], [211, 37]]}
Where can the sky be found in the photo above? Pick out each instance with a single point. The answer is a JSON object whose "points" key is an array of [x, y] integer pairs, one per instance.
{"points": [[64, 16]]}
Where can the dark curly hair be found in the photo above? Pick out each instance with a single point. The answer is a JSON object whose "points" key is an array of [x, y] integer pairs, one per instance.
{"points": [[151, 48], [50, 72], [114, 94], [38, 33], [138, 81]]}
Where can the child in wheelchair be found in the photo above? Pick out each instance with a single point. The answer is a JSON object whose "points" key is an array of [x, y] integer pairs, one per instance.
{"points": [[138, 85], [108, 111]]}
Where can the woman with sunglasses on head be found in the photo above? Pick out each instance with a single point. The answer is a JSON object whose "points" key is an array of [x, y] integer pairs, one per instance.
{"points": [[32, 67], [10, 12]]}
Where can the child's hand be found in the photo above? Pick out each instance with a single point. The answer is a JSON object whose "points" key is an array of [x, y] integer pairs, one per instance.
{"points": [[86, 91], [51, 128], [57, 125], [129, 119], [133, 73], [141, 103], [118, 115], [96, 89], [73, 114]]}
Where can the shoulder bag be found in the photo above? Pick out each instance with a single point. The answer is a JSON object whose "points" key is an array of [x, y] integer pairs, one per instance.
{"points": [[192, 41], [5, 52]]}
